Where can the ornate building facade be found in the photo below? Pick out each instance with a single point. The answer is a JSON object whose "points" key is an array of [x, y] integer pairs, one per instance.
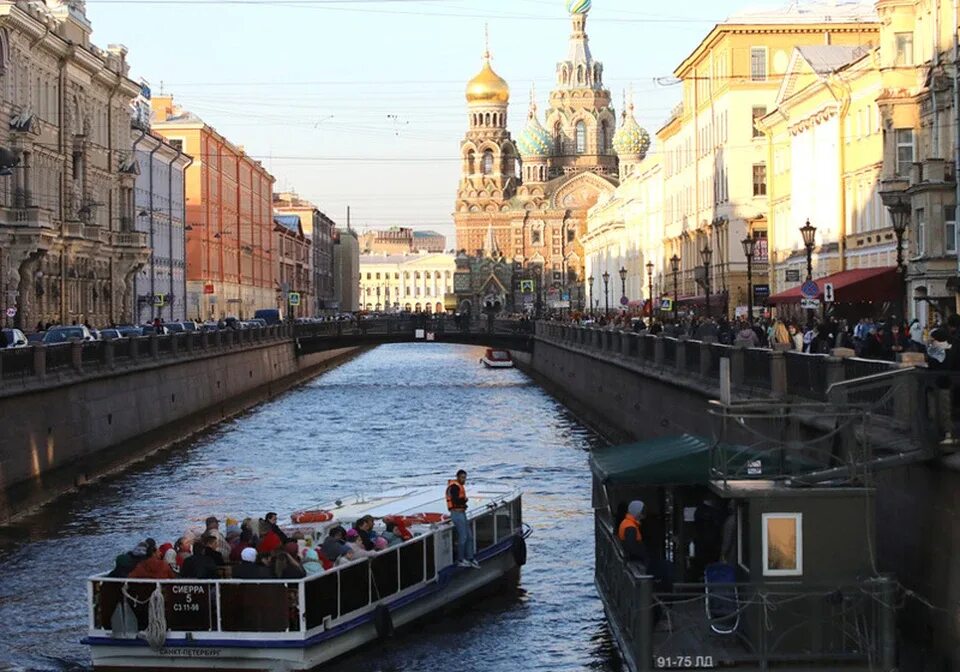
{"points": [[69, 249], [534, 192]]}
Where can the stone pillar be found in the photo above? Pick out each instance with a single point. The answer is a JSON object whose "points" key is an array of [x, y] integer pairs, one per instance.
{"points": [[658, 351], [834, 371], [778, 373], [175, 344], [40, 360], [706, 359], [76, 355], [135, 348], [217, 338], [736, 367], [681, 359], [626, 341], [190, 343], [154, 346]]}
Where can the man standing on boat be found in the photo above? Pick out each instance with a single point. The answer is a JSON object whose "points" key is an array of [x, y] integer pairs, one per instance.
{"points": [[457, 506]]}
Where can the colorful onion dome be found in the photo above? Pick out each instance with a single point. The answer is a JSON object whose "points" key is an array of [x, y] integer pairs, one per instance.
{"points": [[487, 87], [579, 6], [534, 140], [630, 139]]}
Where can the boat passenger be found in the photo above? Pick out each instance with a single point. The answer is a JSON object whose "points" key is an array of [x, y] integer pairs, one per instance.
{"points": [[152, 567], [311, 562], [335, 545], [631, 535], [249, 568], [269, 540], [392, 535], [184, 548], [364, 527], [380, 544], [285, 566], [457, 506], [213, 527], [169, 556], [124, 564], [205, 559], [271, 518]]}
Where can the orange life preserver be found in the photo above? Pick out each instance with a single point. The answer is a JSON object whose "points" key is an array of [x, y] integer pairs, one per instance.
{"points": [[628, 522], [415, 519], [463, 495], [317, 516]]}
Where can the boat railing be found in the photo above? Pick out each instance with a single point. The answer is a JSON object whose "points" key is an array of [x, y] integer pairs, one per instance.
{"points": [[293, 609], [751, 624]]}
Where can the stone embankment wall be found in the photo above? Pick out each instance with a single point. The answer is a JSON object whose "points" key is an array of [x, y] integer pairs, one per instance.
{"points": [[64, 429]]}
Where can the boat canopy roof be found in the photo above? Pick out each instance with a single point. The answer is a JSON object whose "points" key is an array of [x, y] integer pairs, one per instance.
{"points": [[683, 459]]}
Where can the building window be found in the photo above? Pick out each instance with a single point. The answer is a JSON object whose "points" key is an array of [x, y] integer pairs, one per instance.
{"points": [[905, 151], [950, 228], [176, 143], [921, 232], [571, 235], [758, 64], [759, 111], [782, 544], [904, 48], [535, 236], [488, 162], [759, 179], [604, 137], [581, 137]]}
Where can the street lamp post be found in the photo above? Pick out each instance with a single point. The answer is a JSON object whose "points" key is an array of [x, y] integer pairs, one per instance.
{"points": [[706, 254], [623, 286], [650, 287], [809, 233], [900, 213], [675, 267], [590, 296], [749, 247], [606, 293]]}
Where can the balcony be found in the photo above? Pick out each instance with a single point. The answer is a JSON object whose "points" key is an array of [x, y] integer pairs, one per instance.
{"points": [[73, 230], [129, 239], [31, 217]]}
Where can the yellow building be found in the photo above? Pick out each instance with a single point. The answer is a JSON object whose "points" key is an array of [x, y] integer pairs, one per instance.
{"points": [[406, 282], [714, 157], [825, 147], [919, 119]]}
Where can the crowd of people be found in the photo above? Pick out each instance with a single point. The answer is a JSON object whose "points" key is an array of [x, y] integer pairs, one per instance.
{"points": [[880, 339], [255, 549]]}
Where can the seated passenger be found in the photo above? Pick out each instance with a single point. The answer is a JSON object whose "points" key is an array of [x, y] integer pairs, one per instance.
{"points": [[311, 562], [152, 567], [205, 559], [124, 564], [271, 519], [380, 544], [249, 568], [184, 548], [364, 527], [285, 566], [335, 545], [398, 531]]}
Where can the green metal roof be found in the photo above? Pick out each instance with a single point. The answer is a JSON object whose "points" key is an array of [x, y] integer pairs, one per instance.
{"points": [[666, 460]]}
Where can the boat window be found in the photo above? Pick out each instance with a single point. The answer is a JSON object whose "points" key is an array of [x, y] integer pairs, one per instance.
{"points": [[782, 544], [516, 512], [484, 532], [504, 525], [385, 574], [411, 564], [431, 559], [254, 607], [321, 595], [354, 587], [743, 536]]}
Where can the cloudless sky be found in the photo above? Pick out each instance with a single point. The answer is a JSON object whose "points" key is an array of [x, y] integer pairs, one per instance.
{"points": [[361, 102]]}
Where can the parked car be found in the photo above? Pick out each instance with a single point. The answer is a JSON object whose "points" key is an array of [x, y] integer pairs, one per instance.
{"points": [[175, 327], [269, 316], [36, 337], [232, 322], [150, 330], [209, 326], [15, 338], [129, 330], [190, 325], [61, 334], [110, 334], [260, 321]]}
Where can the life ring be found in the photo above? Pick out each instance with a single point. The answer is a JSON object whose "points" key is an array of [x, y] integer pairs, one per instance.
{"points": [[317, 516], [383, 621], [416, 519], [519, 551]]}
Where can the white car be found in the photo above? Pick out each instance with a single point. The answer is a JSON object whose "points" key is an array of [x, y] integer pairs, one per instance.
{"points": [[15, 338]]}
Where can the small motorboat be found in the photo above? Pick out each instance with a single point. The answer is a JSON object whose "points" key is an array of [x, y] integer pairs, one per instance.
{"points": [[497, 359]]}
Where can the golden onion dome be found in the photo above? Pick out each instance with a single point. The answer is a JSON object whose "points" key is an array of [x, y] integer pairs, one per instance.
{"points": [[488, 87]]}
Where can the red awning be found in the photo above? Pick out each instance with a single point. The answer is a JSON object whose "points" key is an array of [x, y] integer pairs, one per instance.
{"points": [[715, 300], [862, 284]]}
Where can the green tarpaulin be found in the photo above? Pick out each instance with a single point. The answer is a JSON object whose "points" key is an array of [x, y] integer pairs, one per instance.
{"points": [[667, 460]]}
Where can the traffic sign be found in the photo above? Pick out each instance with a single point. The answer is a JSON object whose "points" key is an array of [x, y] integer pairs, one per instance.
{"points": [[294, 298], [828, 292], [11, 312], [624, 301], [810, 304], [666, 305], [159, 300], [526, 286], [809, 290], [208, 288]]}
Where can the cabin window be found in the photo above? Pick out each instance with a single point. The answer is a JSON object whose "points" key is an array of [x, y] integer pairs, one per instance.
{"points": [[483, 531], [431, 559], [504, 524], [516, 513], [321, 599], [385, 574], [411, 564], [354, 587], [782, 544]]}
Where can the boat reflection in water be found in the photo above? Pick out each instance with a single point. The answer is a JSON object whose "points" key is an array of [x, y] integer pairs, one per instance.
{"points": [[300, 624]]}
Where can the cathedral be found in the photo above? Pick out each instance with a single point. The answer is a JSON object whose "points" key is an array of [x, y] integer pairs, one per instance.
{"points": [[528, 198]]}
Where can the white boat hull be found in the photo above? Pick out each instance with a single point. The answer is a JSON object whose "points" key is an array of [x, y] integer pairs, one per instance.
{"points": [[492, 364], [213, 655]]}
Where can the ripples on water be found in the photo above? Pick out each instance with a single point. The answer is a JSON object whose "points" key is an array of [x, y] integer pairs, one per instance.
{"points": [[396, 415]]}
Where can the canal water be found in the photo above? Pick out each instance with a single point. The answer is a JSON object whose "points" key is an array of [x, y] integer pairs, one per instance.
{"points": [[399, 414]]}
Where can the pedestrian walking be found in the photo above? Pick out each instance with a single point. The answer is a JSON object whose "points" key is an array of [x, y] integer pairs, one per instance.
{"points": [[457, 506]]}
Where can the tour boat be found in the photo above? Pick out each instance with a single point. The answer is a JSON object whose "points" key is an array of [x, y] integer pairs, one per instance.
{"points": [[497, 359], [194, 624]]}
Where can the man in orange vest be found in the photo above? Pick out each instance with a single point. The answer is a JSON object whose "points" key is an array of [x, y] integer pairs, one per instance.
{"points": [[630, 534], [457, 506]]}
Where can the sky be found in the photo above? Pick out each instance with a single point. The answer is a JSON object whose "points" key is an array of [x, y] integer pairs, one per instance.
{"points": [[361, 102]]}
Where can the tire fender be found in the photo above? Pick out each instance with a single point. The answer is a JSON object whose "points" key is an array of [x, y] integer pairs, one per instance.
{"points": [[383, 621], [519, 551]]}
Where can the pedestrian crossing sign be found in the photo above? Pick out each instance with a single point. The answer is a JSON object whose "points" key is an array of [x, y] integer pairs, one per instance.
{"points": [[526, 286], [666, 305], [294, 298]]}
